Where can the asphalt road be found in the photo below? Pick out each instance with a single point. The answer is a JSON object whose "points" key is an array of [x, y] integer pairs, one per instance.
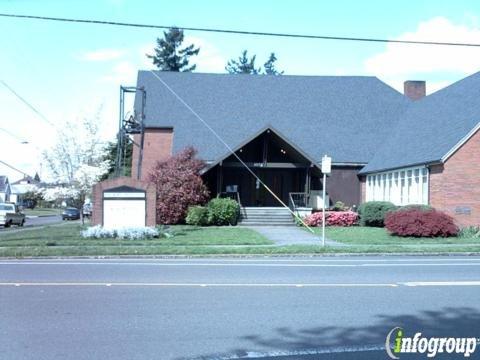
{"points": [[317, 308], [37, 221], [43, 220]]}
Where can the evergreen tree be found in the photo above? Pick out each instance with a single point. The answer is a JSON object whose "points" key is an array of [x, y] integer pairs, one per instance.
{"points": [[169, 53], [246, 65], [269, 66], [111, 157], [243, 65]]}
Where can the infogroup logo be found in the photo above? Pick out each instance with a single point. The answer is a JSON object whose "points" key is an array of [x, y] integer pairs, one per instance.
{"points": [[429, 346]]}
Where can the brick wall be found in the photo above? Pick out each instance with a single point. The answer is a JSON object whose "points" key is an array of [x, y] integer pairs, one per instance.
{"points": [[455, 185], [99, 188], [157, 146]]}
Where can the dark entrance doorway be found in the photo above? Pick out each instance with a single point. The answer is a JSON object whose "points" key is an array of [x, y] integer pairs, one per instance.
{"points": [[277, 163], [252, 193]]}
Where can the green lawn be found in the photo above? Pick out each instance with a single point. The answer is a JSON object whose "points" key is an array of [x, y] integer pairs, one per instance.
{"points": [[65, 240], [42, 212], [362, 235]]}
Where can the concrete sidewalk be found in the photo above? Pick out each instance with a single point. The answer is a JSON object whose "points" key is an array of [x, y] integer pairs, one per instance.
{"points": [[291, 235]]}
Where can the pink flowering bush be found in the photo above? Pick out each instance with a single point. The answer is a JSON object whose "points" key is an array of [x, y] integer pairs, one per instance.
{"points": [[333, 218]]}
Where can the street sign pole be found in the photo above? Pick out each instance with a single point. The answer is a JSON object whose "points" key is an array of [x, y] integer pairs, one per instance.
{"points": [[324, 206], [326, 169]]}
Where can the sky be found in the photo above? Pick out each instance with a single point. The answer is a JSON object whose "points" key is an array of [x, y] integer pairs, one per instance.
{"points": [[73, 71]]}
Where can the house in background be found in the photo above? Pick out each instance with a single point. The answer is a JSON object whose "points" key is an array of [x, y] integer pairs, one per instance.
{"points": [[22, 186], [405, 148], [5, 189]]}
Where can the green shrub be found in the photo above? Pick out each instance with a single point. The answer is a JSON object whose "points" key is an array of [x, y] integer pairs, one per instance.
{"points": [[222, 211], [197, 215], [417, 206], [470, 232], [339, 206], [372, 213]]}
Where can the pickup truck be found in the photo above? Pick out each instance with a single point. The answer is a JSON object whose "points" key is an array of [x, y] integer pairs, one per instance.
{"points": [[11, 215]]}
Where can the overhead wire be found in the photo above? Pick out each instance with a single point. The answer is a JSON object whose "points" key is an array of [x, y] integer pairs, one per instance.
{"points": [[13, 168], [240, 32], [29, 105]]}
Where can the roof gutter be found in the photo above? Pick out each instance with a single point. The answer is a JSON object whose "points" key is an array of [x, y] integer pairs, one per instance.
{"points": [[409, 166]]}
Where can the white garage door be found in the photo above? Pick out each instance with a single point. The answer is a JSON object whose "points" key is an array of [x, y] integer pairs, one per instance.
{"points": [[123, 213]]}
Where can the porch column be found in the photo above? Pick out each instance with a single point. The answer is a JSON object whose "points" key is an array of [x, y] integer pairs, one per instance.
{"points": [[219, 177], [308, 179]]}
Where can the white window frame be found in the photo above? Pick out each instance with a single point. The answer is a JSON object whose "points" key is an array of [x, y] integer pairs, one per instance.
{"points": [[380, 188]]}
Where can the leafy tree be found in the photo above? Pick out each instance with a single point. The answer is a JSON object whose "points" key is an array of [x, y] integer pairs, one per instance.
{"points": [[269, 66], [76, 159], [169, 54], [244, 65], [32, 198], [179, 185]]}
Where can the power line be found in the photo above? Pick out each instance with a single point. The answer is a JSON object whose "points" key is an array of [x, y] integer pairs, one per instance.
{"points": [[239, 32], [43, 117], [23, 141], [14, 168]]}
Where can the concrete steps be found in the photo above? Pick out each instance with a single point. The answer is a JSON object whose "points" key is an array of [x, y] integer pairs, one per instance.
{"points": [[271, 216]]}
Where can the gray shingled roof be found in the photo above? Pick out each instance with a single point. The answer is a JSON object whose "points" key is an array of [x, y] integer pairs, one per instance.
{"points": [[431, 127], [346, 117]]}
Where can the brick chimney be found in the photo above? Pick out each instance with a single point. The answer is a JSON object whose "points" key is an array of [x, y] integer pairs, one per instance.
{"points": [[414, 89]]}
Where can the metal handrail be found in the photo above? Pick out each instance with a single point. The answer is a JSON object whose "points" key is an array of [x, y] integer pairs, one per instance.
{"points": [[298, 199]]}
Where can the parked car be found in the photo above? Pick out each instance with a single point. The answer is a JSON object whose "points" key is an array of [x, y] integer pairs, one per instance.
{"points": [[10, 214], [71, 213]]}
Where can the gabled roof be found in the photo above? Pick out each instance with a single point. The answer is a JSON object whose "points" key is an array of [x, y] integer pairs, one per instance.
{"points": [[346, 117], [431, 128], [227, 152]]}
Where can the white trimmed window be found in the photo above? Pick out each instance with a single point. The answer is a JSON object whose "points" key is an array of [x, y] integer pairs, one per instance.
{"points": [[401, 187]]}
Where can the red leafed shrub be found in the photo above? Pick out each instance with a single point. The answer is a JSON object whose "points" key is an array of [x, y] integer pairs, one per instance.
{"points": [[332, 218], [178, 185], [417, 222]]}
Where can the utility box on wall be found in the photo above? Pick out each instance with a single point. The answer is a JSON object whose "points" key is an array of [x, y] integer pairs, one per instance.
{"points": [[124, 202]]}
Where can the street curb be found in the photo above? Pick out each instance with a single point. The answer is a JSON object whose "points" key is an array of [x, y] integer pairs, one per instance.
{"points": [[234, 256]]}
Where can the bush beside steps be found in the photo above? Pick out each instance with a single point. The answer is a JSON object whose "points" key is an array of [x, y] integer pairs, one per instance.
{"points": [[219, 211]]}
